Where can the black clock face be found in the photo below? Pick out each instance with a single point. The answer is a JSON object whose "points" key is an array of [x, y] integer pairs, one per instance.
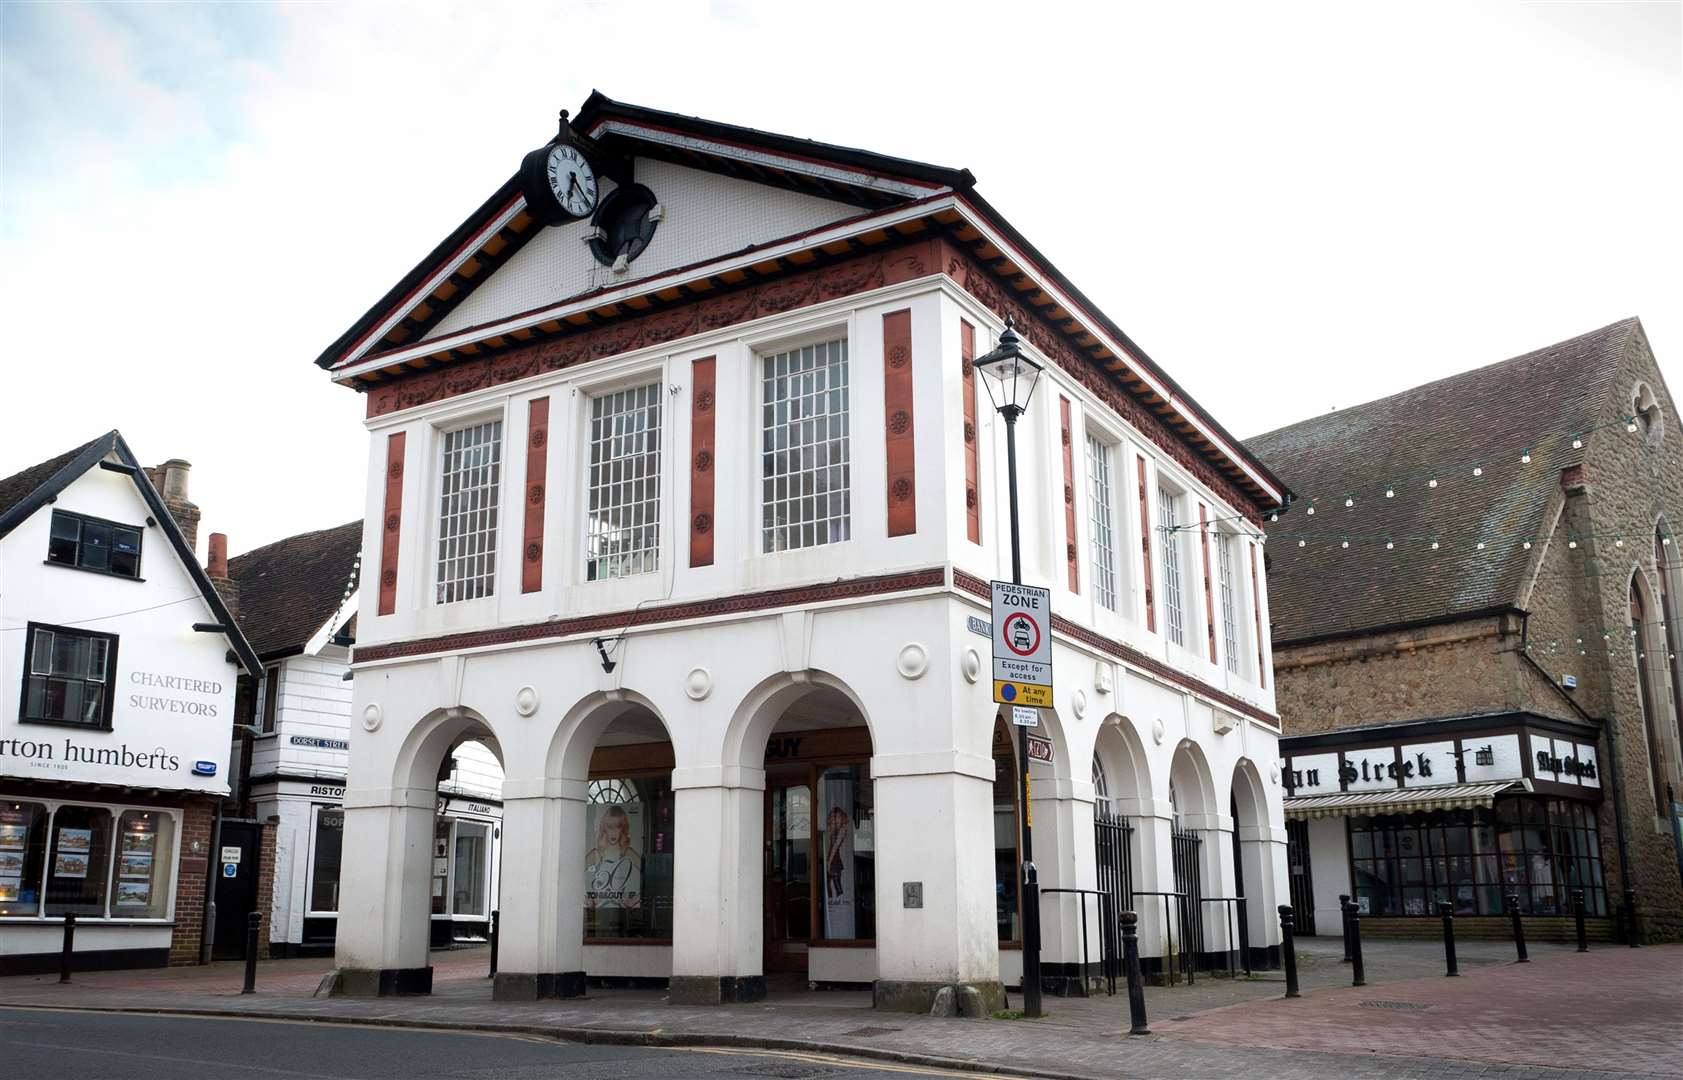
{"points": [[625, 223]]}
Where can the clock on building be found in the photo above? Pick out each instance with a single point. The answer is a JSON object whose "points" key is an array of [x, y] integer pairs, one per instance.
{"points": [[559, 183]]}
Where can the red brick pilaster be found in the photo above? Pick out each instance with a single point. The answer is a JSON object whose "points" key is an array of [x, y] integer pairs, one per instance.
{"points": [[703, 376], [391, 522], [192, 878], [537, 458], [897, 414]]}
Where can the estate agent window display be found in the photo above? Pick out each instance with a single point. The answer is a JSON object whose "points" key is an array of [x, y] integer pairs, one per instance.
{"points": [[96, 862]]}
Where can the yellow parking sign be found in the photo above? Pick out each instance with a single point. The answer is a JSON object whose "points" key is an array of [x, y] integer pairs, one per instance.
{"points": [[1032, 695]]}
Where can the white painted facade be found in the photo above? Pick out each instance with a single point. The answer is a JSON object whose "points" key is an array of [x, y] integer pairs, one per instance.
{"points": [[98, 804], [713, 683]]}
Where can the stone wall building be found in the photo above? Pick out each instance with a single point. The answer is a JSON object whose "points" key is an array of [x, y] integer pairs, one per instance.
{"points": [[1489, 556]]}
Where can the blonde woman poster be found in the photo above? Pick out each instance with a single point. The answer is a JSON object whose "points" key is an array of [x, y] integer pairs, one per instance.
{"points": [[613, 869], [837, 864]]}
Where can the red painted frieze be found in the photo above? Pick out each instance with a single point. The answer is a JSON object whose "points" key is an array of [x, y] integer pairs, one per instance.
{"points": [[391, 523], [898, 425], [703, 406], [537, 459]]}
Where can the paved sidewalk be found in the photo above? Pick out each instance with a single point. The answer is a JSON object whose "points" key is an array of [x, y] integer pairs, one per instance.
{"points": [[1614, 1012]]}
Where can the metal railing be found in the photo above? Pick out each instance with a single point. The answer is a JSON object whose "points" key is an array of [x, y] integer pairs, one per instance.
{"points": [[1169, 953], [1109, 960], [1238, 934]]}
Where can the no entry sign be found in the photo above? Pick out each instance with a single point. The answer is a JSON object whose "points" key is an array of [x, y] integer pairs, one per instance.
{"points": [[1022, 645]]}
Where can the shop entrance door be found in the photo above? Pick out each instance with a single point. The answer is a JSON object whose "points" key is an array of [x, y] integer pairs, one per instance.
{"points": [[1302, 882], [236, 892], [788, 870]]}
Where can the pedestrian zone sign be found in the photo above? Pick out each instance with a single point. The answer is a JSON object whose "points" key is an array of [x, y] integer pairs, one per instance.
{"points": [[1022, 645]]}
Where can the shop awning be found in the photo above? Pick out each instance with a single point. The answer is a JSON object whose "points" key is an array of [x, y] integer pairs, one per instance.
{"points": [[1405, 801]]}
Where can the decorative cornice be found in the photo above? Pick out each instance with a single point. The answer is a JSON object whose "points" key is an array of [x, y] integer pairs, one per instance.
{"points": [[975, 586], [742, 603]]}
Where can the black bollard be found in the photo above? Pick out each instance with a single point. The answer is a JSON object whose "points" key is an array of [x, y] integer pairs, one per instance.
{"points": [[69, 948], [496, 924], [1519, 928], [1288, 948], [1447, 910], [1353, 919], [1344, 915], [1136, 983], [1578, 916], [253, 923]]}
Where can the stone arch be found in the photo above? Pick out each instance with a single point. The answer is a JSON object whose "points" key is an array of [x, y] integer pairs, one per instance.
{"points": [[583, 724], [421, 754], [1258, 856], [764, 706], [1120, 753], [1193, 785]]}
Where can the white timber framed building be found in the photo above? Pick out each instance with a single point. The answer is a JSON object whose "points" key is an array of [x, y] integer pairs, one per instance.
{"points": [[686, 506]]}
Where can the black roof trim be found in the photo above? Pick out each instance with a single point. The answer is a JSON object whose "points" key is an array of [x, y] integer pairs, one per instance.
{"points": [[93, 454], [1437, 726], [997, 220], [475, 221], [599, 107]]}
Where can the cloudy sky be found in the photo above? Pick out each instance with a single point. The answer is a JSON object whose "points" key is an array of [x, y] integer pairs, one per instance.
{"points": [[1291, 206]]}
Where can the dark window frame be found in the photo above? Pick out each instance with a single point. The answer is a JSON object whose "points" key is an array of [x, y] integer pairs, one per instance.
{"points": [[83, 520], [30, 633]]}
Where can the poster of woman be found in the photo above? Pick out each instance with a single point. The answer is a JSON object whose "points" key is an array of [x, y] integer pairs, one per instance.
{"points": [[613, 868], [839, 923]]}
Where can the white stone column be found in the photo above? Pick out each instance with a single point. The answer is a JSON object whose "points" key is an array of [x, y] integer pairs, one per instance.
{"points": [[540, 951], [385, 931], [1153, 868], [718, 928], [1216, 878], [934, 815], [1064, 859], [1262, 853]]}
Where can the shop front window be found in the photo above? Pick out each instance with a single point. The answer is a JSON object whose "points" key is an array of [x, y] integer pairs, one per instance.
{"points": [[847, 847], [324, 859], [472, 868], [145, 846], [79, 861], [628, 859], [1537, 849], [23, 850]]}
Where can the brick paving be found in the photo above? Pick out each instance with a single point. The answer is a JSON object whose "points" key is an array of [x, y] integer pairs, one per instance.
{"points": [[1612, 1013]]}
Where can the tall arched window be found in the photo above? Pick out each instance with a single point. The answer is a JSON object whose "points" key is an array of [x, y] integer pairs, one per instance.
{"points": [[1668, 614], [1642, 643]]}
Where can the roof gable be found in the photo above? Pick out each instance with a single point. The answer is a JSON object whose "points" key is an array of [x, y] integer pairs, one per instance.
{"points": [[1485, 418], [557, 263], [25, 493]]}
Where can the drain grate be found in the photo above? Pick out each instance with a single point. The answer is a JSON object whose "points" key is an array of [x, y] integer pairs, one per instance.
{"points": [[868, 1032], [1410, 1006]]}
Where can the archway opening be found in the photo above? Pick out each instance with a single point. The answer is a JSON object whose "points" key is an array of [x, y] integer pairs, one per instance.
{"points": [[629, 836], [818, 874]]}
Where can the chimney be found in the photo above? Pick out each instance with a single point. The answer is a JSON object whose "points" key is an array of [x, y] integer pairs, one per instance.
{"points": [[217, 564], [171, 481]]}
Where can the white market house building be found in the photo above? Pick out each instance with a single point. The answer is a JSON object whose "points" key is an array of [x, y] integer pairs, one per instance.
{"points": [[118, 664], [683, 499]]}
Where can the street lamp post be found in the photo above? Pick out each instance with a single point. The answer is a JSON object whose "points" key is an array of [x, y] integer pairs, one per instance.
{"points": [[1015, 374]]}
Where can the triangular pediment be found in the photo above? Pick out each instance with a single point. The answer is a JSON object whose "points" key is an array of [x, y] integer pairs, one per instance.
{"points": [[704, 216]]}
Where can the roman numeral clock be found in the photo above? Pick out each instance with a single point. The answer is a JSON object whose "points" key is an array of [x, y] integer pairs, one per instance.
{"points": [[559, 180]]}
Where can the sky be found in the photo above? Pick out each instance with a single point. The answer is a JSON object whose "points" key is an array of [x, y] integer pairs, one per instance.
{"points": [[1290, 206]]}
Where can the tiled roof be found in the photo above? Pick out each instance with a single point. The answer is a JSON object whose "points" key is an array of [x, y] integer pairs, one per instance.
{"points": [[1486, 418], [20, 485], [290, 588]]}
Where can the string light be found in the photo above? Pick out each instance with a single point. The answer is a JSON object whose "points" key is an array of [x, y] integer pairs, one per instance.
{"points": [[1527, 545], [1481, 545], [1349, 502], [1389, 546], [1571, 543], [1577, 444], [1311, 511], [1525, 458], [1630, 425], [1390, 493], [1302, 543], [1433, 482], [1434, 545], [1346, 543], [1477, 471]]}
